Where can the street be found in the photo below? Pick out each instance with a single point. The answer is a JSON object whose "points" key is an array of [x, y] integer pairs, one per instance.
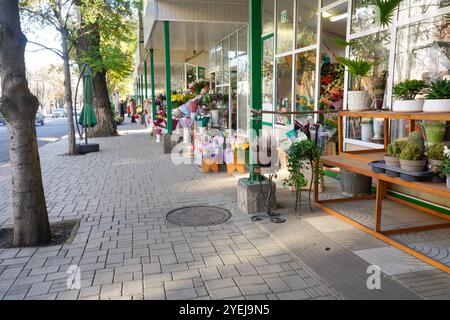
{"points": [[52, 130]]}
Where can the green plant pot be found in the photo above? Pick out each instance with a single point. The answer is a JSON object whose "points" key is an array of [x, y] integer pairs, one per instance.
{"points": [[435, 131]]}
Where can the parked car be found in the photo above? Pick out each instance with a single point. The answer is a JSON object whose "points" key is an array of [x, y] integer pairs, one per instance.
{"points": [[40, 118], [59, 113]]}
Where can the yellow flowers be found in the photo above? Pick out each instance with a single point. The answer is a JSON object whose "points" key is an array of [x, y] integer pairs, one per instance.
{"points": [[182, 98]]}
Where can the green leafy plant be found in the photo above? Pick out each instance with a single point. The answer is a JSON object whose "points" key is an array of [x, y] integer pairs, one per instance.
{"points": [[408, 89], [439, 89], [358, 67], [444, 168], [412, 151], [302, 155], [387, 10], [436, 151], [395, 148]]}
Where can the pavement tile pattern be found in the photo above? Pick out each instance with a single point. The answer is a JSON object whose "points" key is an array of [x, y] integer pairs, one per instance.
{"points": [[126, 249]]}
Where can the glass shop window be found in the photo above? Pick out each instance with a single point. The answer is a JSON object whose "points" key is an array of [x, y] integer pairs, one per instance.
{"points": [[267, 19], [304, 81], [283, 89], [306, 23], [268, 77], [285, 25]]}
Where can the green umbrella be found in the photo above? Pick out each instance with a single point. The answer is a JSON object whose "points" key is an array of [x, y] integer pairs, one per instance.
{"points": [[87, 116]]}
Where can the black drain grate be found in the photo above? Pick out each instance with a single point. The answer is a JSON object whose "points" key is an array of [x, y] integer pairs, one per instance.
{"points": [[196, 216]]}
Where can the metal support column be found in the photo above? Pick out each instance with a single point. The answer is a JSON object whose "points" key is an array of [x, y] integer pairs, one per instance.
{"points": [[168, 80], [255, 81], [152, 79], [145, 78]]}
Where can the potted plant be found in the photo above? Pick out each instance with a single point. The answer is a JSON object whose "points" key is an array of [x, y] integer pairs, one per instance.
{"points": [[434, 130], [357, 99], [405, 93], [412, 158], [443, 171], [393, 153], [436, 157], [437, 98], [366, 129]]}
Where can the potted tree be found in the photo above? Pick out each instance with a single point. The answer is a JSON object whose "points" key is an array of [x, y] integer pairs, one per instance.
{"points": [[393, 153], [357, 99], [437, 98], [405, 93]]}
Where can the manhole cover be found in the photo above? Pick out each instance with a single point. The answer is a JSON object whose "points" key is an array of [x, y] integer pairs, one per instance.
{"points": [[198, 216]]}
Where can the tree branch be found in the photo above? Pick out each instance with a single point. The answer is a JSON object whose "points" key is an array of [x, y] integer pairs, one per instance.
{"points": [[54, 50]]}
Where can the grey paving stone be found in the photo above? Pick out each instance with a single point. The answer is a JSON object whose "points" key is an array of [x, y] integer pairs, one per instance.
{"points": [[294, 295], [132, 287], [178, 284], [224, 293], [110, 291], [155, 293], [181, 294], [220, 283]]}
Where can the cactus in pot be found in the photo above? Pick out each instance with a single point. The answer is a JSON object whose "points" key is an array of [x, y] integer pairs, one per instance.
{"points": [[412, 157], [393, 153], [417, 138]]}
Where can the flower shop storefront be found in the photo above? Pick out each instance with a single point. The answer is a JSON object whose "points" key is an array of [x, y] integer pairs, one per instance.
{"points": [[364, 88]]}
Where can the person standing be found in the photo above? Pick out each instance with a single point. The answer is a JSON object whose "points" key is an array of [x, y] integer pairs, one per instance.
{"points": [[122, 108], [133, 110]]}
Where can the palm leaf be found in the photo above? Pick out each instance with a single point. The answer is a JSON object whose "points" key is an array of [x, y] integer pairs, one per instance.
{"points": [[387, 9]]}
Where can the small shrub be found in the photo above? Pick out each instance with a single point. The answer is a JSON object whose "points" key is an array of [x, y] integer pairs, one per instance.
{"points": [[408, 89]]}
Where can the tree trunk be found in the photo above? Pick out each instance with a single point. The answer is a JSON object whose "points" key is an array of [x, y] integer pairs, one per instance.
{"points": [[68, 96], [19, 106], [88, 45], [106, 126]]}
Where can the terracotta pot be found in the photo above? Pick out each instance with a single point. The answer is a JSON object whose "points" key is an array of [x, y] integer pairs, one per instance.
{"points": [[392, 161], [413, 165]]}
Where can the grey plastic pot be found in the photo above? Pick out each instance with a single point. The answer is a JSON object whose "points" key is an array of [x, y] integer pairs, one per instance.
{"points": [[392, 161], [413, 165], [433, 164], [448, 180]]}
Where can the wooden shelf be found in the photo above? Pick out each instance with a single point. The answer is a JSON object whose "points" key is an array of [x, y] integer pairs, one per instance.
{"points": [[396, 115], [362, 167]]}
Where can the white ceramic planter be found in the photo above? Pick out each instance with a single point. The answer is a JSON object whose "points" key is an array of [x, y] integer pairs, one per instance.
{"points": [[378, 129], [366, 131], [436, 105], [358, 100], [408, 105]]}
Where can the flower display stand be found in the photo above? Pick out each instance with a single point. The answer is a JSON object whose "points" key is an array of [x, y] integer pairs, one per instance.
{"points": [[209, 165]]}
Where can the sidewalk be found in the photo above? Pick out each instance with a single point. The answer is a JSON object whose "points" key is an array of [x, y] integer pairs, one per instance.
{"points": [[126, 249]]}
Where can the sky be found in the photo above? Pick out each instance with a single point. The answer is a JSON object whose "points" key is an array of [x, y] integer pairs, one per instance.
{"points": [[35, 60]]}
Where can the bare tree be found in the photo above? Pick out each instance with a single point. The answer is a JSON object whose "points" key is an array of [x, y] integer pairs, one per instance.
{"points": [[19, 107], [57, 14]]}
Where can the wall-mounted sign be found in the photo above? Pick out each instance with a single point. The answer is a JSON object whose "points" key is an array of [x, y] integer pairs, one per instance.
{"points": [[283, 16]]}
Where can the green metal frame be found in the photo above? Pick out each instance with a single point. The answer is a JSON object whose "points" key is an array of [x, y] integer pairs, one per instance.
{"points": [[152, 79], [168, 78], [255, 78], [145, 78]]}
